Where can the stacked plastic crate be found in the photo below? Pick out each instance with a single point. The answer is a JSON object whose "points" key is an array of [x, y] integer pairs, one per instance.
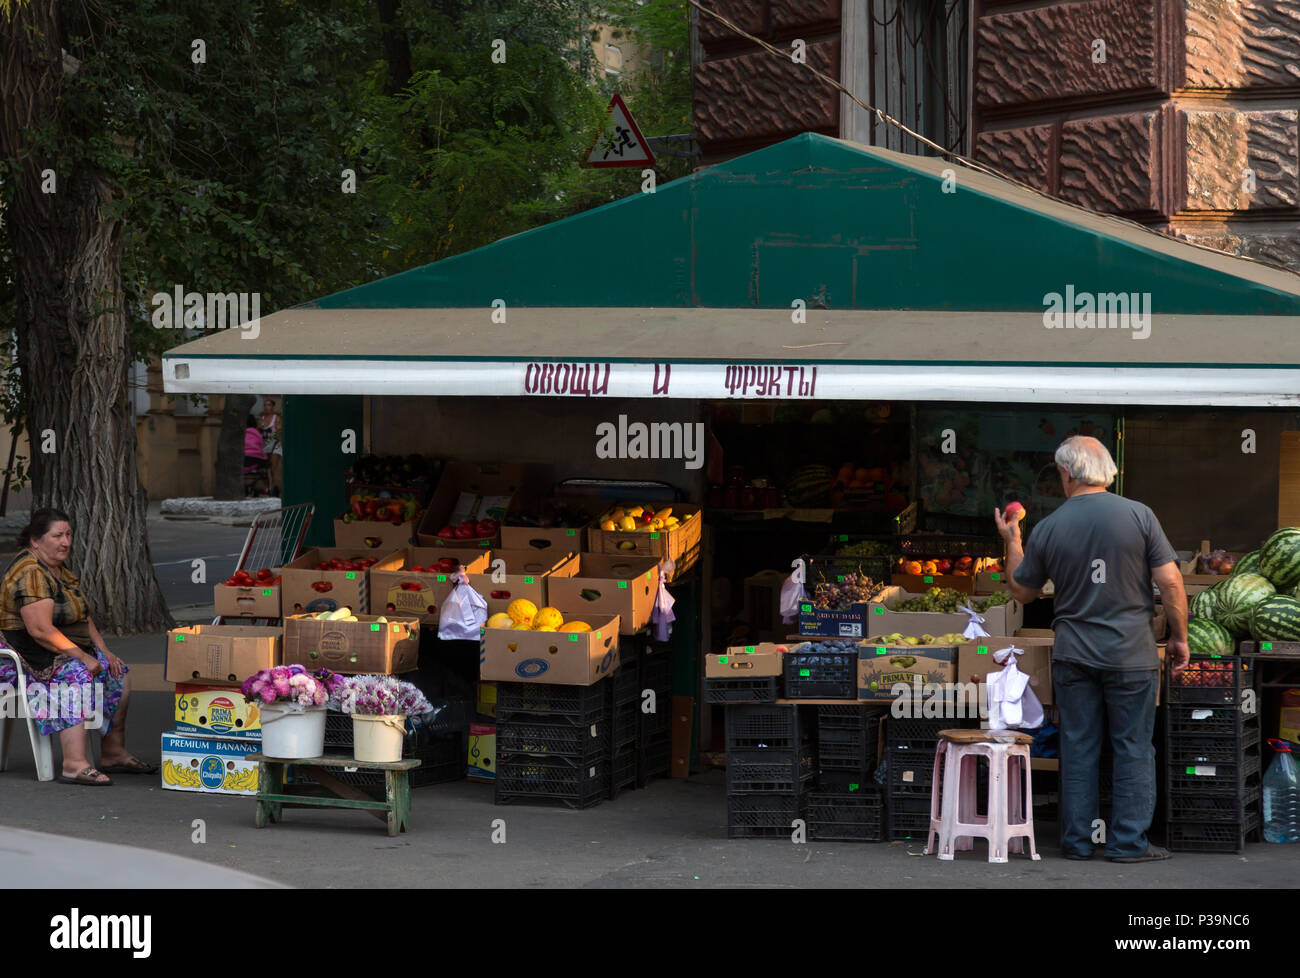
{"points": [[847, 805], [655, 737], [624, 688], [771, 765], [553, 743], [910, 748], [1212, 770]]}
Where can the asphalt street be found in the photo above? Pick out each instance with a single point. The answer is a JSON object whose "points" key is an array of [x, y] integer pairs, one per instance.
{"points": [[671, 834]]}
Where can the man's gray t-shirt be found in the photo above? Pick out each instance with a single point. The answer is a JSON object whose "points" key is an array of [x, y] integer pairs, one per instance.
{"points": [[1102, 624]]}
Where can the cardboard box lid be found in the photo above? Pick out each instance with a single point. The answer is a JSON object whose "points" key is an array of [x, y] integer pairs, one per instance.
{"points": [[532, 563], [743, 661]]}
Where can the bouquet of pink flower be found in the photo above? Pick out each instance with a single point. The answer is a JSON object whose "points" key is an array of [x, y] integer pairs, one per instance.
{"points": [[379, 696], [291, 684]]}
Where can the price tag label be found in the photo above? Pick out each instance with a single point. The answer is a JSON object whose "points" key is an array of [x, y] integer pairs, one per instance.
{"points": [[528, 580], [180, 638], [442, 578], [1266, 646], [749, 648], [266, 592], [805, 607], [623, 585], [722, 659], [844, 538], [569, 533], [996, 576], [982, 650], [352, 575], [879, 611], [839, 578], [574, 638], [929, 578], [654, 536], [805, 673], [881, 650]]}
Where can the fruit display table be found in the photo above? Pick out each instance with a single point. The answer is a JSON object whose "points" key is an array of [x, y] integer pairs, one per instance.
{"points": [[273, 795]]}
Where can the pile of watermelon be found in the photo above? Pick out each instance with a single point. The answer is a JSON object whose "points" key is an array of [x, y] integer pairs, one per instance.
{"points": [[1259, 599]]}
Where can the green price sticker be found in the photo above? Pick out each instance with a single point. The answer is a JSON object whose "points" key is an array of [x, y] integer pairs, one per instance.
{"points": [[569, 533], [180, 638], [722, 659], [654, 536], [982, 650], [749, 648], [485, 543], [844, 538], [1191, 770], [805, 607], [1215, 655], [879, 611], [376, 627], [266, 592], [1266, 646], [839, 578], [996, 576], [929, 578], [881, 650], [352, 575], [854, 786], [573, 638], [805, 673], [623, 585], [442, 578], [528, 580]]}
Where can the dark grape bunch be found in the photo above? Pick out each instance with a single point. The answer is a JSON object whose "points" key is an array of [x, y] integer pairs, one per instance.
{"points": [[839, 646], [841, 595]]}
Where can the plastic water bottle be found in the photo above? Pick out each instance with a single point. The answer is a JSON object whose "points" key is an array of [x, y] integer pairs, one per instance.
{"points": [[1281, 796]]}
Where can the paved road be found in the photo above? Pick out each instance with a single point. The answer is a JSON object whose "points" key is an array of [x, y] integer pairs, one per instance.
{"points": [[176, 544]]}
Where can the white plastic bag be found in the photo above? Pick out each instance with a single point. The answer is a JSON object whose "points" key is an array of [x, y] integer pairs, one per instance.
{"points": [[463, 613], [975, 627], [792, 592], [1011, 702], [662, 616]]}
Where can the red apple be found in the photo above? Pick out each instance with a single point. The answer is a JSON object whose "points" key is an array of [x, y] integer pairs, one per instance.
{"points": [[1014, 510]]}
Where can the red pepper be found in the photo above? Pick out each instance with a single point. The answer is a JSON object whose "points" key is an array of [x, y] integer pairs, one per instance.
{"points": [[417, 569], [447, 533], [447, 565], [464, 533], [323, 565], [264, 574], [358, 509]]}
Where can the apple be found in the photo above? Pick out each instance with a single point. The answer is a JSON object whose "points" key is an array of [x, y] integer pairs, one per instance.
{"points": [[1014, 510]]}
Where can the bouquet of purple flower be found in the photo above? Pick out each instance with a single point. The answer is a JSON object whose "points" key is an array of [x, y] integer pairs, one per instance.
{"points": [[379, 696], [291, 684]]}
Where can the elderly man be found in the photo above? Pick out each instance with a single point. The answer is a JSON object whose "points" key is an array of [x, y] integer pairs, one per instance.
{"points": [[1101, 553]]}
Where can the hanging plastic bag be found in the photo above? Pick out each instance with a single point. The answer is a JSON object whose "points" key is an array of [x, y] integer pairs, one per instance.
{"points": [[1011, 702], [463, 613], [792, 593], [662, 616], [975, 627]]}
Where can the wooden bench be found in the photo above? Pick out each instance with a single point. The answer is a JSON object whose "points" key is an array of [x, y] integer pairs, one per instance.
{"points": [[274, 795]]}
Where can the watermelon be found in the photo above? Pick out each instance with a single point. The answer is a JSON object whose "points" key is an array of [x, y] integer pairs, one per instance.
{"points": [[1204, 604], [1276, 619], [809, 486], [1239, 595], [1279, 558], [1248, 564], [1204, 637]]}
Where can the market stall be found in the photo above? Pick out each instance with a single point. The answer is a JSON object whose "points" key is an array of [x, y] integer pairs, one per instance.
{"points": [[803, 342]]}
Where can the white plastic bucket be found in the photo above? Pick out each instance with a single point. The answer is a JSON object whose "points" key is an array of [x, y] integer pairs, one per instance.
{"points": [[378, 738], [293, 731]]}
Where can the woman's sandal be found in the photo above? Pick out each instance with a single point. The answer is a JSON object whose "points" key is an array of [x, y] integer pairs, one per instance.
{"points": [[87, 775], [132, 766]]}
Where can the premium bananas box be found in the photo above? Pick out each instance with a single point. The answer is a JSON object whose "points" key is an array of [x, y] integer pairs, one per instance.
{"points": [[215, 765], [216, 710]]}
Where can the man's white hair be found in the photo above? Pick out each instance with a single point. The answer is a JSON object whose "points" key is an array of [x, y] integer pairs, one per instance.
{"points": [[1086, 460]]}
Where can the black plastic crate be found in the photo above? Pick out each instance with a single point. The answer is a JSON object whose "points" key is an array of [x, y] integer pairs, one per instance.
{"points": [[623, 771], [1223, 721], [1231, 779], [625, 726], [1230, 675], [534, 735], [817, 674], [1199, 807], [846, 816], [847, 750], [830, 566], [907, 816], [766, 689], [905, 730], [442, 759], [769, 771], [763, 816], [845, 782], [581, 705], [777, 725], [850, 716], [654, 758], [1211, 749], [928, 544], [623, 687], [910, 772], [573, 783], [1210, 836]]}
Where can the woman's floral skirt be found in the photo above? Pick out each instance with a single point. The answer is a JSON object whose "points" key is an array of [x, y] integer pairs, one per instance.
{"points": [[70, 696]]}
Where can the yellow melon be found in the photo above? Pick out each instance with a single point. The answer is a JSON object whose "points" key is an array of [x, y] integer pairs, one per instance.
{"points": [[548, 617], [544, 628], [522, 611], [521, 626], [500, 620], [575, 626], [627, 523]]}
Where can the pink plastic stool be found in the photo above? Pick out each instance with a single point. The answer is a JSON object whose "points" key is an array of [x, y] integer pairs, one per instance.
{"points": [[953, 815]]}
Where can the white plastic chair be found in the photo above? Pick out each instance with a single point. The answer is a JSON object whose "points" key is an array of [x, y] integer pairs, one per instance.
{"points": [[41, 748]]}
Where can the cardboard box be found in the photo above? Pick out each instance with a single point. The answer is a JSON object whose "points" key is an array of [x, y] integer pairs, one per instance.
{"points": [[221, 654], [1188, 567], [601, 584], [824, 623], [374, 537], [528, 574], [214, 765], [481, 764], [348, 589], [990, 582], [216, 711], [975, 661], [1035, 633], [746, 661], [999, 620], [363, 646], [1288, 718], [246, 602], [920, 583], [486, 701], [680, 545], [474, 490], [561, 658], [881, 667], [430, 590], [566, 539]]}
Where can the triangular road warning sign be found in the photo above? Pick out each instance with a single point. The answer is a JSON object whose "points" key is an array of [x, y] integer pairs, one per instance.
{"points": [[621, 142]]}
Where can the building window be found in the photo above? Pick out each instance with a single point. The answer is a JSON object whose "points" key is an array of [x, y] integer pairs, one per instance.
{"points": [[613, 59]]}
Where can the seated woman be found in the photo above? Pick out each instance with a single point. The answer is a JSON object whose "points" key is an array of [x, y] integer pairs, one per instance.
{"points": [[45, 619]]}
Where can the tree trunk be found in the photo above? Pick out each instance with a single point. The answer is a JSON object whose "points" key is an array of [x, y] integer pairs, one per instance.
{"points": [[397, 52], [230, 446], [73, 350]]}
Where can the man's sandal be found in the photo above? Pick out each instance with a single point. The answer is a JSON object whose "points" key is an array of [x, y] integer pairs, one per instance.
{"points": [[87, 775]]}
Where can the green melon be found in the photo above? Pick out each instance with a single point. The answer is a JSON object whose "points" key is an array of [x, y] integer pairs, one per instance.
{"points": [[1248, 564], [1204, 604], [1276, 619], [809, 485], [1239, 596], [1279, 558], [1205, 637]]}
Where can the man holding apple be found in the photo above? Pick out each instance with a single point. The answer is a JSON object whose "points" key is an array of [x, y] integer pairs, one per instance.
{"points": [[1102, 552]]}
